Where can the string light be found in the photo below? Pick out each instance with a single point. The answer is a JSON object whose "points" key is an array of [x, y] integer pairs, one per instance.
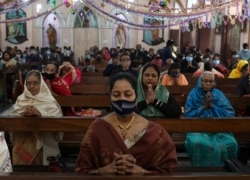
{"points": [[185, 20], [32, 17], [8, 7]]}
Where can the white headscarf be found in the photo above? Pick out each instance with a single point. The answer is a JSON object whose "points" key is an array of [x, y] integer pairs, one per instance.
{"points": [[43, 101]]}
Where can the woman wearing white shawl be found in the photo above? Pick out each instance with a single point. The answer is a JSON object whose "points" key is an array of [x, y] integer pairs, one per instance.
{"points": [[35, 101], [5, 162]]}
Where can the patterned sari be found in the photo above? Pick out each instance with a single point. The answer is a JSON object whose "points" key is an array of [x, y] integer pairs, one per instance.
{"points": [[209, 149], [152, 147]]}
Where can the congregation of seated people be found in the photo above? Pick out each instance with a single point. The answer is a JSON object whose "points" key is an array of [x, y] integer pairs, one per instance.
{"points": [[138, 80]]}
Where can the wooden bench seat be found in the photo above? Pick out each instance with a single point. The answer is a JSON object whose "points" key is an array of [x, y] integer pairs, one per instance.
{"points": [[78, 89], [227, 89], [95, 80], [230, 81], [103, 100], [89, 89], [80, 125], [198, 175]]}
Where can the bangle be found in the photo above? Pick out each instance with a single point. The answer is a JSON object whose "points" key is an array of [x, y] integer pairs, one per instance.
{"points": [[98, 171], [158, 101]]}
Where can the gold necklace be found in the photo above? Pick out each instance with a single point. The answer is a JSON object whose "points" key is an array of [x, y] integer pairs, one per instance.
{"points": [[124, 130]]}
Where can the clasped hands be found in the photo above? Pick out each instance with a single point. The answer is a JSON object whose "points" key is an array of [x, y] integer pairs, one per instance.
{"points": [[208, 100], [150, 95], [122, 164], [31, 111]]}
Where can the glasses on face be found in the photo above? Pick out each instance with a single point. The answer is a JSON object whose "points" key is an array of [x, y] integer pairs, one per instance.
{"points": [[125, 60], [35, 83], [207, 81]]}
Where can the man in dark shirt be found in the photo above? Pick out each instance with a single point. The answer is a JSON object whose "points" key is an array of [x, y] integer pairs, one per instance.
{"points": [[167, 52], [112, 66]]}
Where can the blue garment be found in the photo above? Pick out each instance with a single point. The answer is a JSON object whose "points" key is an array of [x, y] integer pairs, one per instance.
{"points": [[166, 53], [244, 54], [209, 149]]}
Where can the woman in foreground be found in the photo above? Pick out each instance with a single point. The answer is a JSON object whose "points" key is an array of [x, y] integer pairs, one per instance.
{"points": [[123, 142]]}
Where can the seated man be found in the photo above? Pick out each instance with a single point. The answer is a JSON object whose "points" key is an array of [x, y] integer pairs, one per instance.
{"points": [[209, 149], [112, 66]]}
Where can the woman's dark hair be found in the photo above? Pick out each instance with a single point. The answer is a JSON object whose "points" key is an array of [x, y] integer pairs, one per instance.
{"points": [[146, 66], [216, 55], [124, 54], [66, 59], [123, 75], [6, 52], [174, 66], [234, 52], [54, 63], [33, 73], [206, 56], [208, 66]]}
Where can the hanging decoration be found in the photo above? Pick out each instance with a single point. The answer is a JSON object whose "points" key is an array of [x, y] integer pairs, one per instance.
{"points": [[189, 18], [53, 3], [72, 5], [215, 14], [162, 3], [32, 17], [17, 4], [67, 3]]}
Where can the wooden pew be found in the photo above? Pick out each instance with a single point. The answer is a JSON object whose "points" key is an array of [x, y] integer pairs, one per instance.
{"points": [[193, 80], [103, 100], [85, 101], [173, 176], [95, 80], [89, 89], [79, 124], [227, 89]]}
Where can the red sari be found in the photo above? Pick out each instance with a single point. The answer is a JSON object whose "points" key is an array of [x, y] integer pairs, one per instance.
{"points": [[68, 77], [60, 87], [154, 151]]}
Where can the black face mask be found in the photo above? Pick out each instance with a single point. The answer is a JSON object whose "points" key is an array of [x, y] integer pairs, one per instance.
{"points": [[174, 75], [123, 107], [49, 76]]}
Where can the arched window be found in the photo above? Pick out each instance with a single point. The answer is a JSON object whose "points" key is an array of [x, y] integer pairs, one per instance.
{"points": [[86, 18]]}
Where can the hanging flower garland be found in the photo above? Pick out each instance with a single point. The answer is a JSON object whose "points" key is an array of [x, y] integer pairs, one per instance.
{"points": [[186, 20], [243, 15], [5, 9], [117, 20], [143, 10], [30, 18], [72, 5]]}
